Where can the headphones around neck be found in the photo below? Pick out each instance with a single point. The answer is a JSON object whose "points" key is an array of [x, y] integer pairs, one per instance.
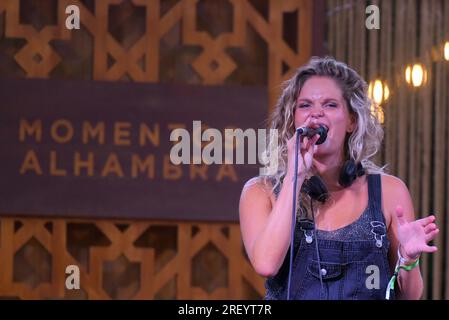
{"points": [[316, 188]]}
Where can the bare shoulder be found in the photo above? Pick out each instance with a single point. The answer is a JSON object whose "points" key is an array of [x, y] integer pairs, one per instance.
{"points": [[257, 188], [392, 185], [258, 185], [395, 193]]}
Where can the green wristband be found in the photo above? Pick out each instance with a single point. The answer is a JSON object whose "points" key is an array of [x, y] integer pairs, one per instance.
{"points": [[392, 281], [409, 267]]}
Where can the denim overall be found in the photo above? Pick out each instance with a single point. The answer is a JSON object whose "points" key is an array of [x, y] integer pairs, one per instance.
{"points": [[353, 259]]}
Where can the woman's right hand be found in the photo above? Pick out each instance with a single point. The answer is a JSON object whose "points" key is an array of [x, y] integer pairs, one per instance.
{"points": [[266, 221], [305, 155]]}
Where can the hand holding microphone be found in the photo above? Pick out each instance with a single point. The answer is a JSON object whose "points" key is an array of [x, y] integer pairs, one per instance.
{"points": [[312, 136]]}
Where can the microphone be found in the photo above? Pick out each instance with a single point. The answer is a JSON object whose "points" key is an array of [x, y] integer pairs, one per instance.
{"points": [[310, 132]]}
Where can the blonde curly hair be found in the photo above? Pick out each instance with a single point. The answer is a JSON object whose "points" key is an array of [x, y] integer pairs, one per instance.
{"points": [[360, 145]]}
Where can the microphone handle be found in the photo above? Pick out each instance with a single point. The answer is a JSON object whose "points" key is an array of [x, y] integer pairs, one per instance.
{"points": [[304, 131], [307, 132]]}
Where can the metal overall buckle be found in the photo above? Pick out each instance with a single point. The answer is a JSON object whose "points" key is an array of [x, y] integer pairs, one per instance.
{"points": [[379, 230]]}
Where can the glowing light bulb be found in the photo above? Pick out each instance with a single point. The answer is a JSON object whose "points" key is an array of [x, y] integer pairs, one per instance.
{"points": [[378, 91], [446, 51], [416, 75]]}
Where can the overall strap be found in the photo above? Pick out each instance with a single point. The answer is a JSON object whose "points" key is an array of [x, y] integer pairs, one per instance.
{"points": [[375, 196]]}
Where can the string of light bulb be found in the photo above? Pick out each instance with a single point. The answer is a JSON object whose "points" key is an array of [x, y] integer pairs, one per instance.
{"points": [[415, 75]]}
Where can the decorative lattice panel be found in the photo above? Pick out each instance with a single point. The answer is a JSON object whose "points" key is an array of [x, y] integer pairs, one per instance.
{"points": [[193, 41], [124, 260], [248, 42]]}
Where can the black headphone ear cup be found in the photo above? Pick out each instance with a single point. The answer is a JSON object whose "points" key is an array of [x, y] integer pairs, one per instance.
{"points": [[316, 189], [360, 170], [349, 172]]}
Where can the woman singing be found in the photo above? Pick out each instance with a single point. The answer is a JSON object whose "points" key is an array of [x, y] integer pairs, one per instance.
{"points": [[355, 225]]}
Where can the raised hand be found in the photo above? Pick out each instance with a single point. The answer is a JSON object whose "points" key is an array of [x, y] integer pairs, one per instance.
{"points": [[414, 236]]}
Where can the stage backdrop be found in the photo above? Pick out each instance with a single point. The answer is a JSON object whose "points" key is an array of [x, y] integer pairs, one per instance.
{"points": [[196, 42], [96, 149]]}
